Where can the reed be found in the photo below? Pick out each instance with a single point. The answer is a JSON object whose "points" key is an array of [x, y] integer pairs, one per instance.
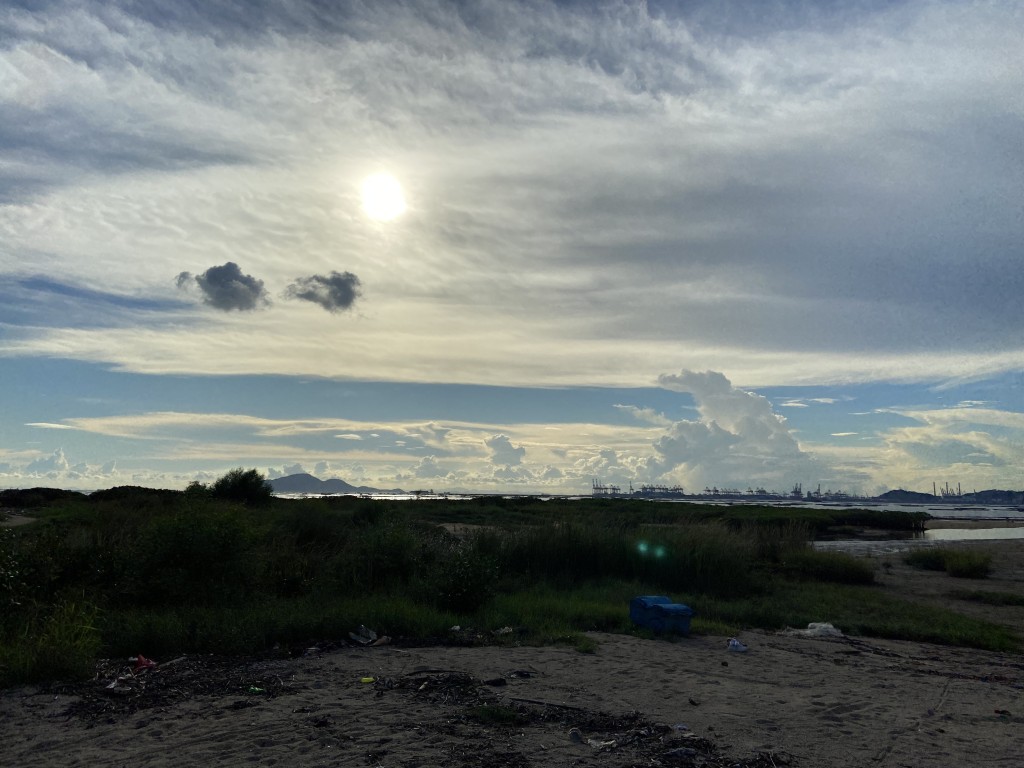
{"points": [[170, 573]]}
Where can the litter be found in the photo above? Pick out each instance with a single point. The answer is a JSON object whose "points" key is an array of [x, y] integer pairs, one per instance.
{"points": [[364, 635], [816, 629], [736, 646], [141, 663]]}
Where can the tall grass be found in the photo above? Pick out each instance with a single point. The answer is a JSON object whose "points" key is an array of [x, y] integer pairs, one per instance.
{"points": [[960, 563], [60, 643], [171, 573]]}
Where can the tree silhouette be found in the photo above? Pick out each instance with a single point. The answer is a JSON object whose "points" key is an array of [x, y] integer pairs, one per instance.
{"points": [[245, 485]]}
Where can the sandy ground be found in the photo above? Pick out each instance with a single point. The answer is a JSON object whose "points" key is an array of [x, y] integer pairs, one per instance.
{"points": [[791, 699], [788, 700]]}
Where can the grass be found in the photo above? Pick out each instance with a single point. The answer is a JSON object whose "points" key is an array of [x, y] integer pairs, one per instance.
{"points": [[169, 573], [988, 597], [960, 563]]}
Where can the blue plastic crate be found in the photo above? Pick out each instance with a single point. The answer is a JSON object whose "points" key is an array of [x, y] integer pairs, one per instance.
{"points": [[660, 614]]}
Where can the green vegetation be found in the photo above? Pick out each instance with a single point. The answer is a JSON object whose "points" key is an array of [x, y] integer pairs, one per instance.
{"points": [[988, 597], [961, 563], [229, 569]]}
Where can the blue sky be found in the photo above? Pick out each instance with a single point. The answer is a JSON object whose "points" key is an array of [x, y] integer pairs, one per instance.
{"points": [[735, 244]]}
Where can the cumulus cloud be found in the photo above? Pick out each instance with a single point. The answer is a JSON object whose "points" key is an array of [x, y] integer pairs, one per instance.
{"points": [[226, 287], [335, 292], [290, 469], [738, 439], [502, 452], [428, 467], [55, 462]]}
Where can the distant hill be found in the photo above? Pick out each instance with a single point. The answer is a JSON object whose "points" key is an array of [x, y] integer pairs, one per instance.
{"points": [[907, 497], [993, 496], [306, 483]]}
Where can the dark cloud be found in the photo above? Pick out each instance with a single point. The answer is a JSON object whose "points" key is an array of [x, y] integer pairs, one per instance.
{"points": [[334, 292], [225, 287]]}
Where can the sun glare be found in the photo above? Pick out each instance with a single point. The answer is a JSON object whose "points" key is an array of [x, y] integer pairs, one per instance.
{"points": [[383, 198]]}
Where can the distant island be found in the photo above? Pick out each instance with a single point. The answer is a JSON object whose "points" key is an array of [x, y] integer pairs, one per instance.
{"points": [[304, 482]]}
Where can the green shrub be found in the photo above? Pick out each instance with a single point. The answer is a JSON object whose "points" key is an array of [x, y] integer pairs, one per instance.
{"points": [[62, 643], [192, 558], [246, 486], [462, 577], [12, 577], [961, 563], [837, 567], [988, 597], [968, 565], [927, 558]]}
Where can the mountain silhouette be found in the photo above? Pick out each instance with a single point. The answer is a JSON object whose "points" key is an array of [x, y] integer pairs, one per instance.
{"points": [[307, 483]]}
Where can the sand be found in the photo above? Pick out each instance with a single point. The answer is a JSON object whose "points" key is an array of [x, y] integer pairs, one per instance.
{"points": [[790, 699]]}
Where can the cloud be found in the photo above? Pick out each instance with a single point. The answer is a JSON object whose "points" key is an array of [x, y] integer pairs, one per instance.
{"points": [[335, 292], [226, 288], [55, 462], [738, 439], [502, 452], [428, 466], [647, 415]]}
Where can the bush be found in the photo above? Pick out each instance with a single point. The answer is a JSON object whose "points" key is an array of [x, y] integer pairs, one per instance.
{"points": [[463, 578], [960, 563], [928, 559], [836, 567], [968, 565], [63, 643], [192, 558], [244, 485]]}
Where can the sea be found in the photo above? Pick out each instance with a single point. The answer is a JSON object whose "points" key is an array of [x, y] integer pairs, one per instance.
{"points": [[980, 522]]}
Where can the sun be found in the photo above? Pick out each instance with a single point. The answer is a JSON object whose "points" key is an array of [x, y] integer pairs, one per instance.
{"points": [[383, 198]]}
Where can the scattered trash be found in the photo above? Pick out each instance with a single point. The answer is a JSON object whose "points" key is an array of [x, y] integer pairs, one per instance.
{"points": [[576, 737], [817, 629], [694, 702], [503, 631], [456, 628], [255, 689], [141, 663], [736, 646], [681, 727], [364, 635], [659, 613], [382, 640], [366, 680]]}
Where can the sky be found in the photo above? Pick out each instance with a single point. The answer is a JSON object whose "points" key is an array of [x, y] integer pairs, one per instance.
{"points": [[514, 247]]}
